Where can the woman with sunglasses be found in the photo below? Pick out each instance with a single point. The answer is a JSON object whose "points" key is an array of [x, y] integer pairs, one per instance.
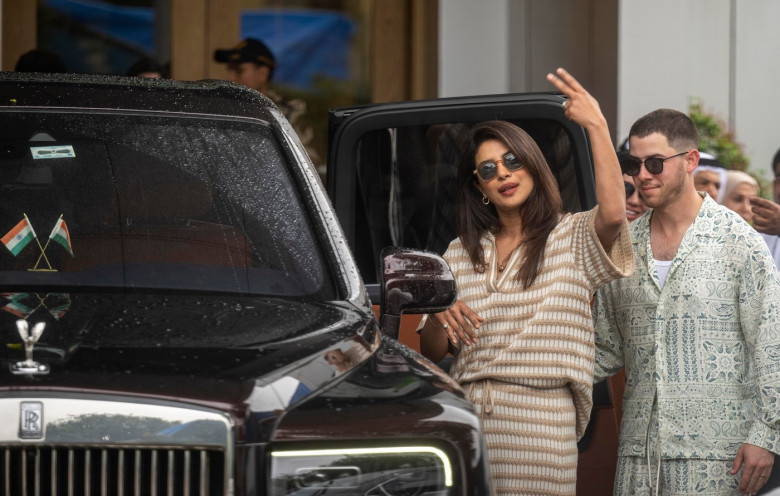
{"points": [[521, 332]]}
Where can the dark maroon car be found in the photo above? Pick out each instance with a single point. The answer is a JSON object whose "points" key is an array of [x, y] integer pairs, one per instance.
{"points": [[181, 313]]}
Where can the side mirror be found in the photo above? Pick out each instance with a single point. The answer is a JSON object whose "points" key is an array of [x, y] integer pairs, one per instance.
{"points": [[413, 281]]}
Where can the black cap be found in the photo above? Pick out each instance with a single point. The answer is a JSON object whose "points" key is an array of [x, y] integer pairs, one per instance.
{"points": [[249, 50]]}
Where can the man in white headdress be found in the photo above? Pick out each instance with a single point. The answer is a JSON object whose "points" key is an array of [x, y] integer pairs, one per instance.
{"points": [[710, 176]]}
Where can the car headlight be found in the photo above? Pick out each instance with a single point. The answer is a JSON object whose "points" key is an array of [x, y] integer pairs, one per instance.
{"points": [[371, 471]]}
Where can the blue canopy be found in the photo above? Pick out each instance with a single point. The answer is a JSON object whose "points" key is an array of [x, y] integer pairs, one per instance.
{"points": [[306, 43]]}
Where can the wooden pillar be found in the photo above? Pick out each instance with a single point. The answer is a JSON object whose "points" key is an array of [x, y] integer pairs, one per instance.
{"points": [[198, 27], [188, 32], [404, 50], [19, 27], [425, 50], [224, 31]]}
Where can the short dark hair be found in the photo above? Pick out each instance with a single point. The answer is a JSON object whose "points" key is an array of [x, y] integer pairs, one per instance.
{"points": [[678, 128], [38, 60]]}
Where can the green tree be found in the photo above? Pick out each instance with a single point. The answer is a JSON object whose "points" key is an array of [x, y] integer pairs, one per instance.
{"points": [[716, 139]]}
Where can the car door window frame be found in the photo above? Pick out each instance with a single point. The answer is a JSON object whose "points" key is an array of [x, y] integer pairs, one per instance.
{"points": [[348, 126]]}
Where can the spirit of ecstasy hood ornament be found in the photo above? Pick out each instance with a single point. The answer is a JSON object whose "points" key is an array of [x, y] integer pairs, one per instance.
{"points": [[29, 367]]}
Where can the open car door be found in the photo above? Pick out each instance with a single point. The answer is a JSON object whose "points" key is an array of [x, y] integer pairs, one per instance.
{"points": [[392, 179]]}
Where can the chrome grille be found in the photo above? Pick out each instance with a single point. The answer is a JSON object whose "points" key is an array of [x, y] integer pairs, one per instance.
{"points": [[34, 470]]}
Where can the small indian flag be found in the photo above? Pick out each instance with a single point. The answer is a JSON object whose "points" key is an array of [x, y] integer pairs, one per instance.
{"points": [[61, 235], [16, 304], [18, 237], [61, 307]]}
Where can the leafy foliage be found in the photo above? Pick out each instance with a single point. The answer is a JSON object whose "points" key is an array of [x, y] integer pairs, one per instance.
{"points": [[716, 139]]}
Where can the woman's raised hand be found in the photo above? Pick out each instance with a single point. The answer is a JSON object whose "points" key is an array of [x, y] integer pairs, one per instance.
{"points": [[583, 109], [580, 107]]}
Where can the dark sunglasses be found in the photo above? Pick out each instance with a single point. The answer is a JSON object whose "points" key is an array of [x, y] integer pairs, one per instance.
{"points": [[630, 189], [488, 169], [654, 165]]}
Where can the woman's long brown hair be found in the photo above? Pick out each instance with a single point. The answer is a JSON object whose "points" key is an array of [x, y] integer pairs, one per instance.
{"points": [[540, 213]]}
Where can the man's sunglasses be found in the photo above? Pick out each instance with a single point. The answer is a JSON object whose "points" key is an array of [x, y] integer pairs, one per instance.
{"points": [[488, 169], [630, 189], [654, 165]]}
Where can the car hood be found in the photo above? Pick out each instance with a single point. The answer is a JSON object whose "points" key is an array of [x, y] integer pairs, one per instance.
{"points": [[204, 349]]}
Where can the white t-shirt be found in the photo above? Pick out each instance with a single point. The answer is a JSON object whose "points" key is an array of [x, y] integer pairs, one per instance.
{"points": [[662, 267]]}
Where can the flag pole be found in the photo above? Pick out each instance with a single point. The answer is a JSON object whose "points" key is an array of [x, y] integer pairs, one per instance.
{"points": [[43, 249], [41, 301]]}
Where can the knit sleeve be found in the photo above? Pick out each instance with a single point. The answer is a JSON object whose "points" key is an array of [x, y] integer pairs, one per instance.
{"points": [[608, 339], [598, 266]]}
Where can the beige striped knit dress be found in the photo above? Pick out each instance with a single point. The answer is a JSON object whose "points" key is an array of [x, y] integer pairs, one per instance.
{"points": [[530, 374]]}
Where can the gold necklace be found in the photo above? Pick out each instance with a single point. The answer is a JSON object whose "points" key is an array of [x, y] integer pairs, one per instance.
{"points": [[502, 265]]}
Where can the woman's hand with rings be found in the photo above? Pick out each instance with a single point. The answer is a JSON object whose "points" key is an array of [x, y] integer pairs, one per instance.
{"points": [[459, 323], [579, 105]]}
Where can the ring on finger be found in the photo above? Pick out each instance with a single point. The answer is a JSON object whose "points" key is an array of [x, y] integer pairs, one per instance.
{"points": [[565, 104], [445, 326]]}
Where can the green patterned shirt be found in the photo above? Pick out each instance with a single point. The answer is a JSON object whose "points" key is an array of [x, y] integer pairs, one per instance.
{"points": [[707, 344]]}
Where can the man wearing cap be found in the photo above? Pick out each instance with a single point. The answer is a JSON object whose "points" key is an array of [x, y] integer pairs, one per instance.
{"points": [[252, 64]]}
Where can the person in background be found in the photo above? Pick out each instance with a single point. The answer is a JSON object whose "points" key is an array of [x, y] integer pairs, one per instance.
{"points": [[147, 67], [766, 214], [695, 327], [635, 206], [252, 64], [776, 172], [520, 331], [740, 186], [740, 189], [710, 176], [38, 60]]}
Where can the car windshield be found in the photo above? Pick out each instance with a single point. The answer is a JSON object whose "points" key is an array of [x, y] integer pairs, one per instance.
{"points": [[153, 202]]}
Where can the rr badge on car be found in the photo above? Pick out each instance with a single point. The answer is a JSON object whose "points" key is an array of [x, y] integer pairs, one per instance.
{"points": [[31, 420]]}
